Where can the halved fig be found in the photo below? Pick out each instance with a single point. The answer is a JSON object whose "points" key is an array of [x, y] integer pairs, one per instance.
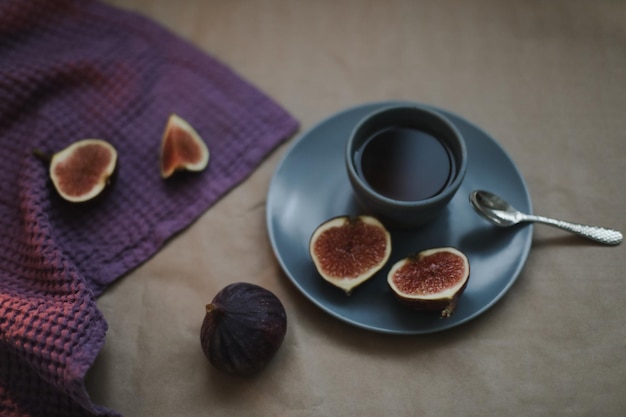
{"points": [[182, 148], [432, 280], [83, 170], [348, 251]]}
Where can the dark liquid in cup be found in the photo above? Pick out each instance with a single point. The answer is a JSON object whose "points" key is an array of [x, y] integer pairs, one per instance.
{"points": [[405, 164]]}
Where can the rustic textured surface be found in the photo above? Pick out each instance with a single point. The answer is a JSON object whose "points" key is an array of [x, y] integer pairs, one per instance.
{"points": [[545, 79]]}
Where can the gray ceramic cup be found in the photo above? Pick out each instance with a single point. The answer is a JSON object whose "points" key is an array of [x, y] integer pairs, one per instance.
{"points": [[398, 213]]}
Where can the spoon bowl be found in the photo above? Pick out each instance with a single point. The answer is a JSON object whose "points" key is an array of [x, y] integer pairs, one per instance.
{"points": [[501, 213], [494, 208]]}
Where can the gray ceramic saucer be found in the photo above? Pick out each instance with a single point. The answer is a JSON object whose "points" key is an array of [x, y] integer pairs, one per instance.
{"points": [[310, 185]]}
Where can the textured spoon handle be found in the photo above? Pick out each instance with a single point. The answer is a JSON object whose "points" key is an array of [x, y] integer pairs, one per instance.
{"points": [[595, 233]]}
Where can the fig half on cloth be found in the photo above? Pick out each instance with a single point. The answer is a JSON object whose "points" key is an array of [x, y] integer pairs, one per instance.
{"points": [[347, 251], [432, 280], [81, 171], [182, 148]]}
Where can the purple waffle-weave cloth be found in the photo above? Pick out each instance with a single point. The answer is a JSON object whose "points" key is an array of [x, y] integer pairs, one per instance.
{"points": [[77, 69]]}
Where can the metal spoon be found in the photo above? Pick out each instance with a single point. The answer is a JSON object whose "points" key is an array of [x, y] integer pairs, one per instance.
{"points": [[501, 213]]}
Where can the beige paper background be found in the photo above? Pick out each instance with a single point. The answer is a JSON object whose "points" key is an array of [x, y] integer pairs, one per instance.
{"points": [[546, 79]]}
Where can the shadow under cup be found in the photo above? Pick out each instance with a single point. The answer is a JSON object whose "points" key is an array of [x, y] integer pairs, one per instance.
{"points": [[405, 163]]}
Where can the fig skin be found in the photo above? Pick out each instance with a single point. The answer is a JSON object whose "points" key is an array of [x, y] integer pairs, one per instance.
{"points": [[182, 148], [72, 168], [243, 328], [349, 253], [444, 301]]}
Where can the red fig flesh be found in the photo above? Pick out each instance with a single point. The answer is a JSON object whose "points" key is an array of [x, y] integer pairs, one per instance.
{"points": [[82, 171], [182, 148], [347, 251], [432, 280]]}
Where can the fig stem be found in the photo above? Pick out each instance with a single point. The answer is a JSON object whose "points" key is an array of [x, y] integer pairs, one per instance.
{"points": [[449, 310], [210, 308], [43, 156]]}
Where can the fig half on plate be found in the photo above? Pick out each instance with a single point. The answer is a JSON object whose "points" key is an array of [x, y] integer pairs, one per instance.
{"points": [[431, 280], [347, 251]]}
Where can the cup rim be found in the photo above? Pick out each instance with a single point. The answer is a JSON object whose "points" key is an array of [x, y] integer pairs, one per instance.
{"points": [[449, 190]]}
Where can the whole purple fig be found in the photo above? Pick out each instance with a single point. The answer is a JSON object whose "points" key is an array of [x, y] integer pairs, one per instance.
{"points": [[243, 328]]}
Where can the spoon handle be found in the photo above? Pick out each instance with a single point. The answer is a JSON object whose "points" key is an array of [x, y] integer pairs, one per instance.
{"points": [[595, 233]]}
